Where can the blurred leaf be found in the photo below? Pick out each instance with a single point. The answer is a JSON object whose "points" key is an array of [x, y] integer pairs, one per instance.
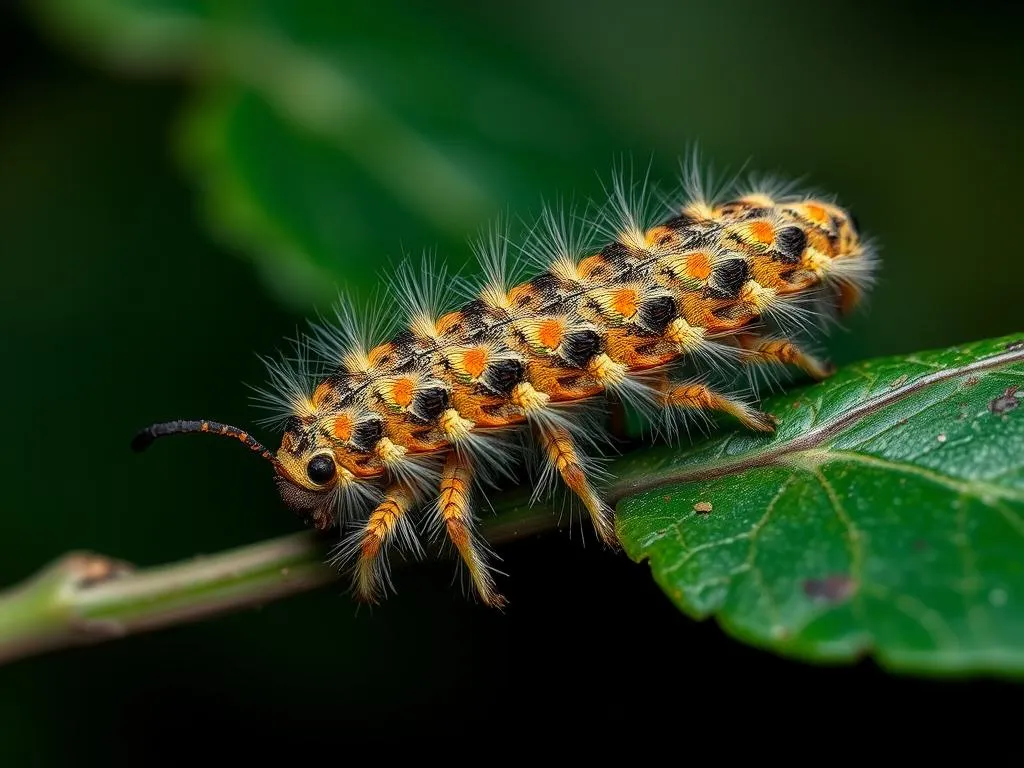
{"points": [[885, 516], [328, 138]]}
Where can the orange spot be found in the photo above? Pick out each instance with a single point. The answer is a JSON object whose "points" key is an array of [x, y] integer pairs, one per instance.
{"points": [[474, 361], [815, 213], [343, 427], [550, 333], [379, 356], [402, 392], [762, 231], [446, 323], [624, 302], [591, 265], [698, 265], [659, 236]]}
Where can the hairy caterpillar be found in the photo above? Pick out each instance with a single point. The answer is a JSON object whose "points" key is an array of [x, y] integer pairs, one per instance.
{"points": [[375, 432]]}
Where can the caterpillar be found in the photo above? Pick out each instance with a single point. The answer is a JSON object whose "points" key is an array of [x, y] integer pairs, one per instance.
{"points": [[624, 308]]}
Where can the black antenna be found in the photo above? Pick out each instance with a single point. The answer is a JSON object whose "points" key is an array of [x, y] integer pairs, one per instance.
{"points": [[145, 438]]}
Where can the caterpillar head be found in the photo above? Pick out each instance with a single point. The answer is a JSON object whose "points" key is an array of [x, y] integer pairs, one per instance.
{"points": [[329, 463], [318, 475]]}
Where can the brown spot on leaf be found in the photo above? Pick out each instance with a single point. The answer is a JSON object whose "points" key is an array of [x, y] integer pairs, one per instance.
{"points": [[970, 381], [702, 507], [920, 545], [1005, 403], [833, 589], [666, 499], [899, 382], [1015, 346]]}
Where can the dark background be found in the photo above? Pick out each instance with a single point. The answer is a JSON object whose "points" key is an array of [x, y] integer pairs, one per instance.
{"points": [[122, 305]]}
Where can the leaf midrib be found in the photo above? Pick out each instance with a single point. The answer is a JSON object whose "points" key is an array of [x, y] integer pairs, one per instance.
{"points": [[813, 438]]}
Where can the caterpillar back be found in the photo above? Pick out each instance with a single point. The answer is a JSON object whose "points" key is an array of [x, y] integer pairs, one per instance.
{"points": [[423, 421]]}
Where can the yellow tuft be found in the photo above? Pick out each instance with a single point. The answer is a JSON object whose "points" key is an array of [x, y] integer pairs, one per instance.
{"points": [[565, 269], [455, 427], [388, 452], [688, 337], [527, 398], [494, 295], [357, 361], [757, 295], [423, 325], [633, 238], [816, 261], [606, 370]]}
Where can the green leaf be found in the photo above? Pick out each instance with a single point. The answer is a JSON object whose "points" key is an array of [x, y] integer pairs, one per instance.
{"points": [[886, 516], [326, 143]]}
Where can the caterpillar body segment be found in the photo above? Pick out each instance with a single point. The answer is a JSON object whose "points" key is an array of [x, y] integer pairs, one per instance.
{"points": [[427, 418]]}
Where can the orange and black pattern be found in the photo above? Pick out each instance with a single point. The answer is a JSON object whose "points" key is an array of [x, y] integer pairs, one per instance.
{"points": [[411, 426], [511, 357]]}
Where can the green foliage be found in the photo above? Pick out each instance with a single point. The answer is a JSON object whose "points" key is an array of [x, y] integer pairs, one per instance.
{"points": [[322, 155], [322, 141], [885, 516]]}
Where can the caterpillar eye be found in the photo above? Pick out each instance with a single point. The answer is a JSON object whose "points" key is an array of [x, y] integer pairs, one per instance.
{"points": [[321, 469]]}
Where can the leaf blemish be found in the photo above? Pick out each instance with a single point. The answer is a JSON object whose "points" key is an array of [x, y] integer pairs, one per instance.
{"points": [[702, 507], [1005, 403], [833, 589], [899, 382]]}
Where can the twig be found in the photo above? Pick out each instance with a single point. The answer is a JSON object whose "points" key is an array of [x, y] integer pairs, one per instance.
{"points": [[85, 598]]}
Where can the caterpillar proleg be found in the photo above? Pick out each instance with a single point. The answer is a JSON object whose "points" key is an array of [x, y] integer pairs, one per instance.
{"points": [[385, 434]]}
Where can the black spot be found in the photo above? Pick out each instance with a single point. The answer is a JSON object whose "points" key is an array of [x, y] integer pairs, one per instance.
{"points": [[428, 404], [756, 213], [320, 469], [475, 307], [293, 424], [474, 315], [545, 285], [727, 279], [365, 434], [501, 376], [404, 338], [789, 244], [342, 382], [616, 253], [579, 346], [682, 221], [656, 313], [406, 365]]}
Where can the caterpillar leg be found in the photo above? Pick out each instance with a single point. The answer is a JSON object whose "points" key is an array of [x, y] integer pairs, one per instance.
{"points": [[384, 521], [786, 352], [455, 511], [561, 453], [700, 397]]}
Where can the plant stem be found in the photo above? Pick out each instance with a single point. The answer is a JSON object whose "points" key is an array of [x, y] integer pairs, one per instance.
{"points": [[85, 598]]}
